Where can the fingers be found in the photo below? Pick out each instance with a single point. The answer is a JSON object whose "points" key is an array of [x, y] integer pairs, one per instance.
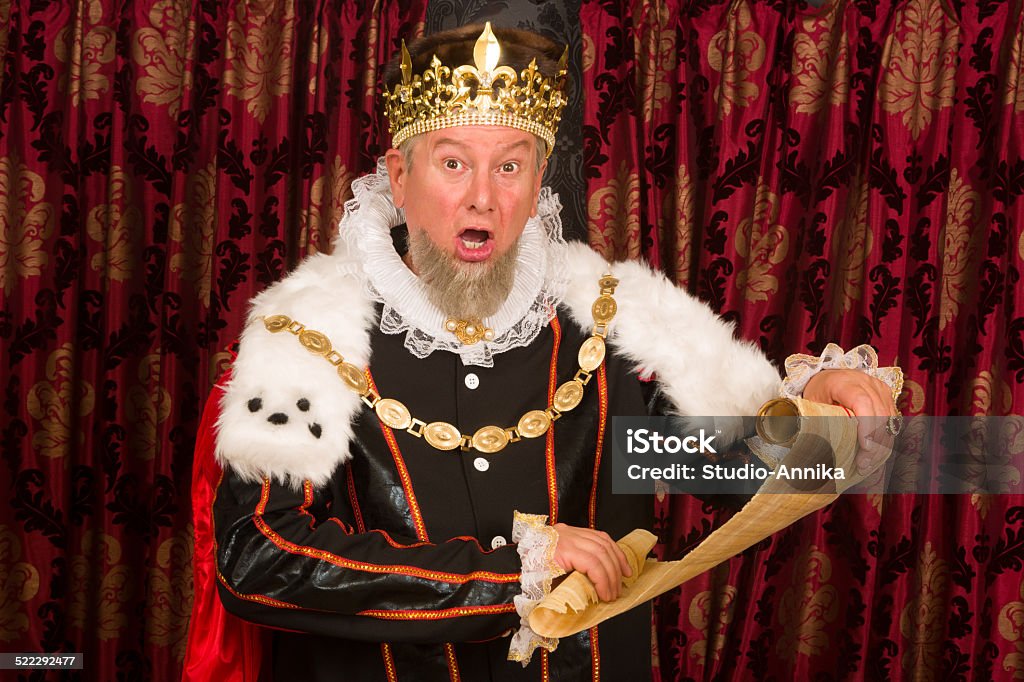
{"points": [[866, 398], [879, 443], [615, 552], [594, 554], [612, 576], [872, 405]]}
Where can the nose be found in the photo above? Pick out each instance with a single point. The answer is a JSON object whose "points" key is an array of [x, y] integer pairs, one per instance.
{"points": [[278, 418], [481, 191]]}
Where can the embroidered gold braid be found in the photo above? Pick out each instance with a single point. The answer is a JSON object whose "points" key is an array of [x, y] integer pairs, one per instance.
{"points": [[442, 435]]}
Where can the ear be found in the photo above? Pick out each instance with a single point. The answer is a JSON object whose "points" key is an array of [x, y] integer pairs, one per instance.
{"points": [[536, 187], [397, 175]]}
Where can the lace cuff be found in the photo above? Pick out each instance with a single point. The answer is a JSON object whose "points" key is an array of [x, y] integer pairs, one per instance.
{"points": [[801, 368], [536, 544]]}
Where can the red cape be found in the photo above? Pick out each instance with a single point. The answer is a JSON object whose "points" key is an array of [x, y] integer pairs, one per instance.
{"points": [[221, 647]]}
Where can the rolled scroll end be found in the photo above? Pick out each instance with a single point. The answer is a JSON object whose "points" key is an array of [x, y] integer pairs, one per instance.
{"points": [[778, 421]]}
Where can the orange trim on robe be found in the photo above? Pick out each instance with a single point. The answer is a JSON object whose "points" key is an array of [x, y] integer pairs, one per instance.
{"points": [[453, 664], [421, 534], [354, 500], [403, 473], [439, 614], [602, 391], [257, 598], [293, 548], [549, 442], [389, 662], [307, 502]]}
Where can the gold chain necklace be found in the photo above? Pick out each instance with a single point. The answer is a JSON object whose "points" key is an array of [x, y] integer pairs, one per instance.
{"points": [[442, 435]]}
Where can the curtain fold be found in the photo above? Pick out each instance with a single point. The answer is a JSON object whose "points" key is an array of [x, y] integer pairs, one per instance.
{"points": [[160, 163], [848, 173]]}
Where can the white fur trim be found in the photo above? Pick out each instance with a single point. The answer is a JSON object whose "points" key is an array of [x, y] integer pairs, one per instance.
{"points": [[276, 369], [701, 367], [699, 364]]}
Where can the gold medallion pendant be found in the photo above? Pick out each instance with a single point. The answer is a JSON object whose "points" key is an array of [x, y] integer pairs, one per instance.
{"points": [[533, 424], [315, 342], [393, 413], [442, 435], [489, 439], [604, 309], [568, 396], [276, 323], [353, 377], [591, 354]]}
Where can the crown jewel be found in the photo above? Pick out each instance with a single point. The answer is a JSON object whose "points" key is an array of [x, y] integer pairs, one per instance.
{"points": [[479, 94]]}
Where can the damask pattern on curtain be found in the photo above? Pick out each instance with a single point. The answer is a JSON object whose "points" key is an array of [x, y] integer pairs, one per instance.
{"points": [[850, 173], [160, 163]]}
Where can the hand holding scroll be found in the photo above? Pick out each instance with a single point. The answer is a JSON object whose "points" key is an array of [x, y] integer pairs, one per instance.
{"points": [[594, 554]]}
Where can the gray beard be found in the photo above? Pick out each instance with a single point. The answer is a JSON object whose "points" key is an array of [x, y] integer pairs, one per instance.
{"points": [[464, 291]]}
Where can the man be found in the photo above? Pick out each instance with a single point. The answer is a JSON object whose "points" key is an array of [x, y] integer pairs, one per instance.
{"points": [[411, 446]]}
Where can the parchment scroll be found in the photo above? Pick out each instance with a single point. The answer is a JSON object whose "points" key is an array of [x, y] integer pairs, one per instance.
{"points": [[573, 606]]}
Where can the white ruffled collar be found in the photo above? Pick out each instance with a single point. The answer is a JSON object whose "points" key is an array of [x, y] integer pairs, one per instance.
{"points": [[539, 285]]}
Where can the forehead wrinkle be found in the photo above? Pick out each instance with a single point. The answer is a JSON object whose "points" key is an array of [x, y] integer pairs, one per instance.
{"points": [[502, 148], [450, 141], [523, 145]]}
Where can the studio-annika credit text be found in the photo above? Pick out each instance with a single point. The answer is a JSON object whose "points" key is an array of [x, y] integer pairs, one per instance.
{"points": [[647, 441]]}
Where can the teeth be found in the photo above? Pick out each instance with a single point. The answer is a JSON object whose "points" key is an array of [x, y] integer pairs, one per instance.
{"points": [[473, 245]]}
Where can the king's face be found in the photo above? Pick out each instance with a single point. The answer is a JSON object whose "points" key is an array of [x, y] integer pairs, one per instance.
{"points": [[470, 189]]}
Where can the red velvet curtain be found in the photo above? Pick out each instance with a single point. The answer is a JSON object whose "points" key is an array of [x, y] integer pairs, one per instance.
{"points": [[160, 163], [849, 173]]}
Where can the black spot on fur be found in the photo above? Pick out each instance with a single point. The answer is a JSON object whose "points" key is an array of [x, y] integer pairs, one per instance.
{"points": [[278, 418], [255, 405], [315, 430], [303, 404]]}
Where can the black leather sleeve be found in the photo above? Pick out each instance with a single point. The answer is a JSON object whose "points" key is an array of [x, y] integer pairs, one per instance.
{"points": [[286, 561]]}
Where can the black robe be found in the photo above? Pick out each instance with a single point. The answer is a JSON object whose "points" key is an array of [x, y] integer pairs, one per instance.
{"points": [[403, 567]]}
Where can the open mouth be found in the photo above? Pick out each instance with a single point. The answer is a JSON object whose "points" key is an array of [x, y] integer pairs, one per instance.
{"points": [[473, 239]]}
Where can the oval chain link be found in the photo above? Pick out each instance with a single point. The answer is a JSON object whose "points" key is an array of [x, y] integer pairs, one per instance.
{"points": [[445, 436]]}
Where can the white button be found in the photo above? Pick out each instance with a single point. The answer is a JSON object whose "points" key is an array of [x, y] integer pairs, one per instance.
{"points": [[472, 381], [481, 464], [497, 542]]}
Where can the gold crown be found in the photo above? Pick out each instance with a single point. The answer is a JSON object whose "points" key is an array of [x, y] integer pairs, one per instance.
{"points": [[484, 94]]}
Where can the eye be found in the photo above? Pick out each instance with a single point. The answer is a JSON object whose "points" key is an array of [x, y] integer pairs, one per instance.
{"points": [[255, 405], [452, 164], [510, 167]]}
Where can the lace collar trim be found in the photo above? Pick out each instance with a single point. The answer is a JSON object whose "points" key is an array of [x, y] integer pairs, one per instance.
{"points": [[539, 285]]}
